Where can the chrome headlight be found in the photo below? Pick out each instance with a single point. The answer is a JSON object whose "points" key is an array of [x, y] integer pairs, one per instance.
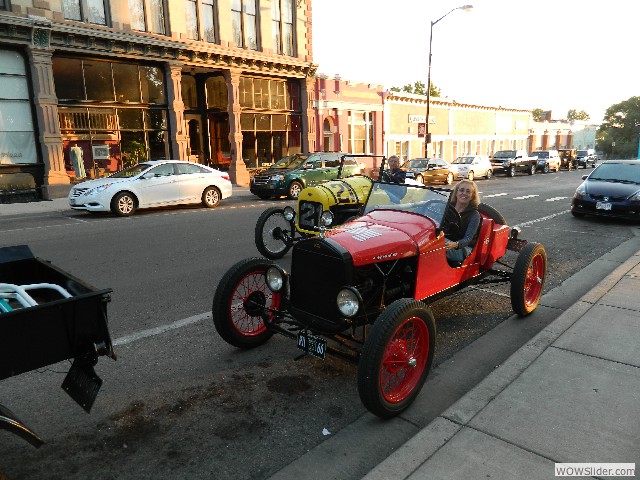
{"points": [[348, 301], [580, 192], [276, 278], [289, 213], [635, 197], [326, 218], [277, 178]]}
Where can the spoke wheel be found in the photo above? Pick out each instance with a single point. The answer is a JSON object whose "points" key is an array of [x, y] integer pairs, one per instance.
{"points": [[294, 189], [512, 171], [546, 168], [211, 197], [273, 234], [397, 357], [240, 299], [527, 280], [123, 204]]}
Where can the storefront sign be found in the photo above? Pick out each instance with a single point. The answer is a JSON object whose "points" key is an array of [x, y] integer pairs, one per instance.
{"points": [[421, 119]]}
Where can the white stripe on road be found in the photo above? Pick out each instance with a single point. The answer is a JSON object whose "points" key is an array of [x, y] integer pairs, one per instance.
{"points": [[494, 195], [525, 196], [555, 199], [542, 219], [160, 330]]}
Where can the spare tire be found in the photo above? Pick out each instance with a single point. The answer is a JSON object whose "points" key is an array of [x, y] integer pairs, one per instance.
{"points": [[492, 213]]}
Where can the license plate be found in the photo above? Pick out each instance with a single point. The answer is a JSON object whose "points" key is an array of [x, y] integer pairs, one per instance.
{"points": [[603, 206], [311, 344], [82, 384]]}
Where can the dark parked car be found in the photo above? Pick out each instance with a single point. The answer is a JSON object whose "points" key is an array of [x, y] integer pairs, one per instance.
{"points": [[430, 170], [568, 158], [611, 190], [586, 158]]}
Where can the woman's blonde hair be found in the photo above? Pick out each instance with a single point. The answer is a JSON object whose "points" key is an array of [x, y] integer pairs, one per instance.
{"points": [[475, 196]]}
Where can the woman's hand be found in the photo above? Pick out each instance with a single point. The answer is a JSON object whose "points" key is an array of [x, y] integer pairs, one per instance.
{"points": [[450, 245]]}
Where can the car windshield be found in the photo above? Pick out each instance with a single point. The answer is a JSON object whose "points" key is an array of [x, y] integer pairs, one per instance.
{"points": [[292, 161], [425, 201], [541, 154], [582, 153], [505, 154], [464, 160], [617, 172], [416, 163], [131, 171]]}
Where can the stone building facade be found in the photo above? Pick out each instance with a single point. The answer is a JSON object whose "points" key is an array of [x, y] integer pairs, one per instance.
{"points": [[223, 82]]}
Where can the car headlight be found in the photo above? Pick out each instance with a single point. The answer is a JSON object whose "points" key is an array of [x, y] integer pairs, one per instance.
{"points": [[635, 197], [277, 178], [276, 278], [348, 301], [289, 213], [581, 191], [326, 218], [99, 189]]}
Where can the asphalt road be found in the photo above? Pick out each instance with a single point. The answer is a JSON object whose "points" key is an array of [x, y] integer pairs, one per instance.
{"points": [[180, 403]]}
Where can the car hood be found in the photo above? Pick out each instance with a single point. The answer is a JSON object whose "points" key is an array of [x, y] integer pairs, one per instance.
{"points": [[384, 235], [610, 189], [276, 171], [99, 182]]}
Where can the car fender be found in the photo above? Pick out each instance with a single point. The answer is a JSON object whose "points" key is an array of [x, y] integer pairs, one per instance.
{"points": [[347, 191], [11, 423]]}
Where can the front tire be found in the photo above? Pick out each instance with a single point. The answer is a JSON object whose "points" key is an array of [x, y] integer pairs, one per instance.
{"points": [[240, 299], [527, 279], [273, 234], [546, 168], [512, 171], [123, 204], [397, 357], [294, 189], [532, 169], [211, 197]]}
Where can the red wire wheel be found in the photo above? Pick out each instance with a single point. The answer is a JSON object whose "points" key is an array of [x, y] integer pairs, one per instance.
{"points": [[240, 301], [527, 279], [397, 357]]}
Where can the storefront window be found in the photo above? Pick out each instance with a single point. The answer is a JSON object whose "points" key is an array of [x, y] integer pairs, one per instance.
{"points": [[217, 96], [127, 84], [98, 80], [17, 140], [360, 132]]}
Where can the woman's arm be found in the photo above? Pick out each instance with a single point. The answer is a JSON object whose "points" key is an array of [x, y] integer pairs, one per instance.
{"points": [[470, 233]]}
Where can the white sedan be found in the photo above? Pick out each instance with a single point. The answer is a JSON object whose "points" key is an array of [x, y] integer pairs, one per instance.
{"points": [[152, 184]]}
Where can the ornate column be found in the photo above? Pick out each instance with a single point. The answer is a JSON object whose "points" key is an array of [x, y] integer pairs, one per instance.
{"points": [[177, 125], [308, 115], [237, 170], [56, 181]]}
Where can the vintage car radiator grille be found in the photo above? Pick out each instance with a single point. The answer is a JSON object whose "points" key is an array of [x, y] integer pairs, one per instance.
{"points": [[319, 269], [309, 215]]}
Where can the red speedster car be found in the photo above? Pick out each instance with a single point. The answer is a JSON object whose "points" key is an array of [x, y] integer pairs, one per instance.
{"points": [[360, 291]]}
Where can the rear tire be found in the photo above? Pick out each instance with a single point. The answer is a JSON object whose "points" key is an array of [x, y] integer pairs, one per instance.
{"points": [[492, 213], [449, 179], [489, 175], [512, 171], [273, 234], [471, 176], [527, 279], [532, 169], [240, 297], [419, 178], [546, 168], [397, 357]]}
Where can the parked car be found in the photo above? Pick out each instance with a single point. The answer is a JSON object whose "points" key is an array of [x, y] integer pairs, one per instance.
{"points": [[586, 158], [611, 190], [548, 160], [289, 175], [474, 166], [567, 158], [429, 171], [155, 183], [360, 292], [511, 161]]}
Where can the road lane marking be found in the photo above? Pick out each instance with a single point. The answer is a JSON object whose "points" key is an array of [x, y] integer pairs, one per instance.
{"points": [[555, 199], [494, 195], [134, 337], [525, 196], [541, 219]]}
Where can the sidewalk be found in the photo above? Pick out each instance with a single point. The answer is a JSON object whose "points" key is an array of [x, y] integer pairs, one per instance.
{"points": [[570, 395]]}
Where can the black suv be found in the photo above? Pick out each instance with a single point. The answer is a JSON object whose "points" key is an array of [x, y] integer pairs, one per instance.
{"points": [[586, 157]]}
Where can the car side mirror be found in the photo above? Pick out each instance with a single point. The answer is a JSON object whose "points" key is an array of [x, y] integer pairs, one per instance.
{"points": [[584, 177]]}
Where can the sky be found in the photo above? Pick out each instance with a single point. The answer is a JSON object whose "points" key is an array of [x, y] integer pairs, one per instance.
{"points": [[550, 54]]}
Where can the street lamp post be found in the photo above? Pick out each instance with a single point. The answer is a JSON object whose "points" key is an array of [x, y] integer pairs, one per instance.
{"points": [[427, 135]]}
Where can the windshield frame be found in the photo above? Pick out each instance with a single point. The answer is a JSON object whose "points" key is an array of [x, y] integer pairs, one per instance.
{"points": [[132, 171]]}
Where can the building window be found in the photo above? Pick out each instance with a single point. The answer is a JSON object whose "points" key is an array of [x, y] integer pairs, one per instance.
{"points": [[147, 15], [243, 23], [282, 13], [209, 21], [265, 93], [90, 11], [191, 14], [360, 132], [5, 5]]}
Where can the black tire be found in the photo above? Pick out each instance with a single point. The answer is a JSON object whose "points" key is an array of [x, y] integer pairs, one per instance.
{"points": [[244, 286], [532, 169], [397, 355], [419, 178], [294, 189], [545, 169], [489, 174], [273, 234], [211, 197], [471, 176], [449, 179], [512, 171], [124, 204], [527, 279], [492, 213]]}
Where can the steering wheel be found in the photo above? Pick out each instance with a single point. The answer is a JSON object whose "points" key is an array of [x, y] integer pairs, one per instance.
{"points": [[435, 208]]}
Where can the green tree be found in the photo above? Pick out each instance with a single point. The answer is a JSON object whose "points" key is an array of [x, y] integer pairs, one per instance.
{"points": [[575, 115], [418, 88], [621, 125], [537, 114]]}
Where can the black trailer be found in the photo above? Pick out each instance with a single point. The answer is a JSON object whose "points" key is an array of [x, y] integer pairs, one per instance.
{"points": [[47, 316]]}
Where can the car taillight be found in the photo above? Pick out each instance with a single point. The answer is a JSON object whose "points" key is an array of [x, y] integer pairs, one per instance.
{"points": [[226, 176]]}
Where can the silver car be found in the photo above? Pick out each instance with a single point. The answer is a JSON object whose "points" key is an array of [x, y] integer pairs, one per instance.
{"points": [[474, 166]]}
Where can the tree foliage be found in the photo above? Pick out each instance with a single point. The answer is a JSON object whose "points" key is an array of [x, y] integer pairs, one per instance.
{"points": [[419, 88], [577, 115], [538, 114], [621, 125]]}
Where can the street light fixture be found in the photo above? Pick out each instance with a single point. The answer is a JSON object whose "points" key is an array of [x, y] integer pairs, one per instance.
{"points": [[427, 135]]}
